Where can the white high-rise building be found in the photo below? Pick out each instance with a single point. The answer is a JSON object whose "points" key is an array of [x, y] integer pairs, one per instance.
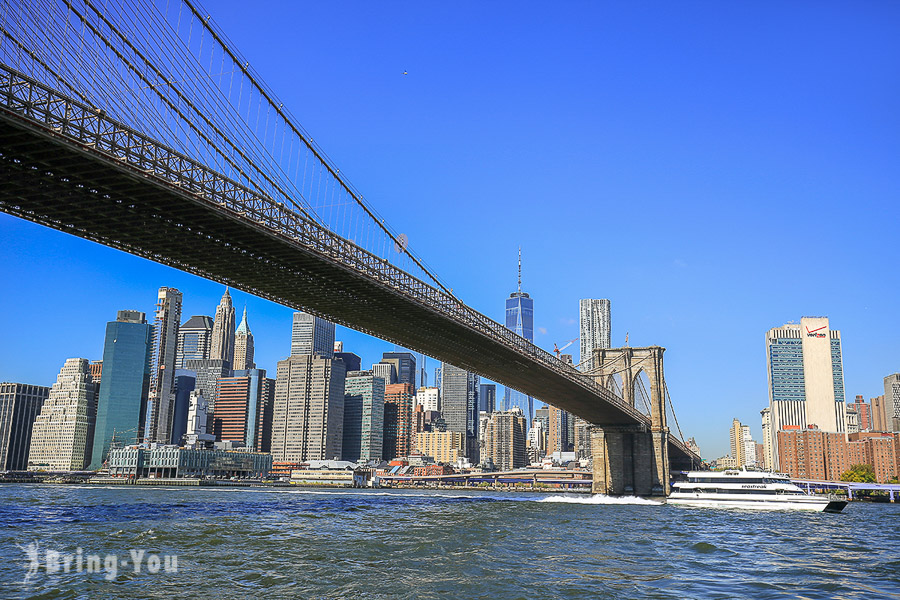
{"points": [[806, 378], [765, 414], [429, 398], [386, 371], [61, 433], [312, 335], [749, 447], [594, 323], [161, 402], [537, 438], [892, 401], [197, 421]]}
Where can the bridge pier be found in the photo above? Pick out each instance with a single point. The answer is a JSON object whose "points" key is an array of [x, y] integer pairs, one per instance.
{"points": [[629, 460], [632, 459]]}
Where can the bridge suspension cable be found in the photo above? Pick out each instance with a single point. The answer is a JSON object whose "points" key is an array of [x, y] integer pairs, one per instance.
{"points": [[165, 68], [159, 93]]}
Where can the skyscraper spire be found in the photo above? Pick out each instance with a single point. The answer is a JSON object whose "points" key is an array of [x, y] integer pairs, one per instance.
{"points": [[243, 345], [520, 269], [222, 346], [520, 319], [243, 327]]}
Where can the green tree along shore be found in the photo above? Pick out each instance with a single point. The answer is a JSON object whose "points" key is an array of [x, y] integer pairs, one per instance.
{"points": [[859, 474]]}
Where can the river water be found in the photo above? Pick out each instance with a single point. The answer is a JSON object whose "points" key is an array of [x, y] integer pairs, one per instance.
{"points": [[290, 543]]}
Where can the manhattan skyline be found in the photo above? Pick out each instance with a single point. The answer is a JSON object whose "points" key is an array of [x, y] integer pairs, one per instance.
{"points": [[714, 173]]}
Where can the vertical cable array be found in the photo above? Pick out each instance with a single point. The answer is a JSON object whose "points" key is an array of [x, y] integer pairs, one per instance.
{"points": [[164, 68]]}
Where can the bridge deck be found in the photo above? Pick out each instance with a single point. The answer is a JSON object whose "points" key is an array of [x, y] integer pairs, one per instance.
{"points": [[67, 167]]}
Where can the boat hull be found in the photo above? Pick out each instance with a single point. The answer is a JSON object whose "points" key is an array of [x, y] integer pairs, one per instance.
{"points": [[808, 503]]}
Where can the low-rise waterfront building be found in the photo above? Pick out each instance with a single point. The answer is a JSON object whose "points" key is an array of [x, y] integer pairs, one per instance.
{"points": [[172, 462]]}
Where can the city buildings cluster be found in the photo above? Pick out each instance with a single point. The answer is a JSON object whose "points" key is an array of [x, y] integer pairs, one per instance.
{"points": [[808, 430], [165, 391]]}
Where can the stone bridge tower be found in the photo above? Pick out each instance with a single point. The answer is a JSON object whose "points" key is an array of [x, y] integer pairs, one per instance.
{"points": [[632, 459]]}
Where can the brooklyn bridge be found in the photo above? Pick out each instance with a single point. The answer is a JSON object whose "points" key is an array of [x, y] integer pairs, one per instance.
{"points": [[144, 129]]}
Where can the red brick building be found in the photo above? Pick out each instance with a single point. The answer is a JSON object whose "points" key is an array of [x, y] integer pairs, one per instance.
{"points": [[399, 399], [865, 413], [432, 470], [814, 454], [245, 403]]}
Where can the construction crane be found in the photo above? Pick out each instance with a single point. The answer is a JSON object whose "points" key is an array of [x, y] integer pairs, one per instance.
{"points": [[557, 349]]}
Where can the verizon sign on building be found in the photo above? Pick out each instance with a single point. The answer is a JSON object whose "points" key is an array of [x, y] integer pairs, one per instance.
{"points": [[806, 377]]}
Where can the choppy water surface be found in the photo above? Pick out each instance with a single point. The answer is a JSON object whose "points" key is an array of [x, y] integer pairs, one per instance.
{"points": [[246, 543]]}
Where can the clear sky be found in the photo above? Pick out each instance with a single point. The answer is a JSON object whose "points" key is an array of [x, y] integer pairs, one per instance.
{"points": [[714, 169]]}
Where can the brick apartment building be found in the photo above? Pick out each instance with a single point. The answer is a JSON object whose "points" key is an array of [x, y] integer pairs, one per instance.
{"points": [[815, 454]]}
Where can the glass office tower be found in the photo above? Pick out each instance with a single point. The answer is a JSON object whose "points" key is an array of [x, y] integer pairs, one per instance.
{"points": [[122, 406]]}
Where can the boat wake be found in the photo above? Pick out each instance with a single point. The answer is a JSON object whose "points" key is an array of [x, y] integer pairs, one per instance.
{"points": [[601, 499]]}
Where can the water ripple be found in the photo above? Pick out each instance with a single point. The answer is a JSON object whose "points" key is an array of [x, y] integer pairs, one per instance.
{"points": [[239, 543]]}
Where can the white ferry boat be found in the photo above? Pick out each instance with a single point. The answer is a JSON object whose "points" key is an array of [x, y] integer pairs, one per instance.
{"points": [[754, 490]]}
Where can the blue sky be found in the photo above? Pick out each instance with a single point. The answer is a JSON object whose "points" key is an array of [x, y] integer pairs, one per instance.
{"points": [[714, 169]]}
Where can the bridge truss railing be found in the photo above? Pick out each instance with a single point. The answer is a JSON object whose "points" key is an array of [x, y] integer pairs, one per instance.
{"points": [[90, 127]]}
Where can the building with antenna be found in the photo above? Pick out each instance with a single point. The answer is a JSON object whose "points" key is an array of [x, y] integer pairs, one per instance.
{"points": [[520, 318]]}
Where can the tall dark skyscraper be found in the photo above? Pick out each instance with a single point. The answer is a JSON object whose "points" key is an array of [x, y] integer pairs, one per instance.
{"points": [[161, 402], [209, 372], [459, 405], [487, 397], [352, 361], [20, 403], [194, 340], [184, 385], [312, 335], [122, 406], [520, 318], [405, 365]]}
